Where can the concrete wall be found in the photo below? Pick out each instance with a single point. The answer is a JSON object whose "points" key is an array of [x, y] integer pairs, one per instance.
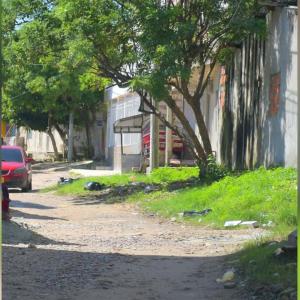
{"points": [[279, 135], [259, 125], [39, 144]]}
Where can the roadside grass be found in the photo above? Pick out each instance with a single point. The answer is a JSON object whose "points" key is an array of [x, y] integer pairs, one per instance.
{"points": [[162, 176], [261, 267], [261, 195]]}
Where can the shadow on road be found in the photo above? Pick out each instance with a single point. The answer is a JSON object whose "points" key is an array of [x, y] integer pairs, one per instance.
{"points": [[57, 274], [20, 214], [19, 191], [23, 204], [14, 234]]}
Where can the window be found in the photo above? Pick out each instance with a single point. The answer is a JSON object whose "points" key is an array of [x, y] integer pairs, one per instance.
{"points": [[11, 155]]}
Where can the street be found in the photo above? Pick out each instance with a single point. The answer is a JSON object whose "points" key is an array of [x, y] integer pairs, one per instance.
{"points": [[63, 248]]}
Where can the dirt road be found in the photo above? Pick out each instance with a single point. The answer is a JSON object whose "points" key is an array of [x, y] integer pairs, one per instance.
{"points": [[62, 248]]}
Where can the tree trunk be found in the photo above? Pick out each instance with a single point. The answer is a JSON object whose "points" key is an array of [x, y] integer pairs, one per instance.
{"points": [[169, 138], [187, 135], [188, 128], [97, 133], [50, 133], [70, 137], [87, 125], [154, 144], [62, 133]]}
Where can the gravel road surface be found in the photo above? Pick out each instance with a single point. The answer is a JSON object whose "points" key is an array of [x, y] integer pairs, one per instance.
{"points": [[60, 248]]}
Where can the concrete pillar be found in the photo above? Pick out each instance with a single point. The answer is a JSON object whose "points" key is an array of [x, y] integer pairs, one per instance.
{"points": [[169, 139]]}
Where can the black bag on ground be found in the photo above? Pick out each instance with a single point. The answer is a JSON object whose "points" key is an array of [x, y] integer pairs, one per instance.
{"points": [[93, 186]]}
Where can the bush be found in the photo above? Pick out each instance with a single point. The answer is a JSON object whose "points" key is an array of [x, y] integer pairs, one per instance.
{"points": [[215, 171]]}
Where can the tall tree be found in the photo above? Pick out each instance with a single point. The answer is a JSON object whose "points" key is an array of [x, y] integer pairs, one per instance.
{"points": [[158, 46], [50, 72]]}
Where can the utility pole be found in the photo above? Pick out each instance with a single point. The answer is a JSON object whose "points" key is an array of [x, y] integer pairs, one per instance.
{"points": [[71, 136], [154, 140], [169, 139]]}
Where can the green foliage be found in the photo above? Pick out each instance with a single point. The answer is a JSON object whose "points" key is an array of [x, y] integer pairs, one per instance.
{"points": [[51, 73], [159, 176], [167, 174], [261, 195], [150, 45], [215, 171]]}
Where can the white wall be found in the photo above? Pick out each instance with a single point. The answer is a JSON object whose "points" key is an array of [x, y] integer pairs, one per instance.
{"points": [[121, 103], [39, 144]]}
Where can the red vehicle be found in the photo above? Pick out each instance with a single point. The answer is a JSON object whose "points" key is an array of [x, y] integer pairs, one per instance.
{"points": [[16, 168]]}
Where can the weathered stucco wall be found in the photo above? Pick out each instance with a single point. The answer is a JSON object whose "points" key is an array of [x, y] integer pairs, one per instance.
{"points": [[259, 113], [279, 121]]}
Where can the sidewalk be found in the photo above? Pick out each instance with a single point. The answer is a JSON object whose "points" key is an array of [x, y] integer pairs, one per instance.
{"points": [[62, 166], [87, 173], [81, 168]]}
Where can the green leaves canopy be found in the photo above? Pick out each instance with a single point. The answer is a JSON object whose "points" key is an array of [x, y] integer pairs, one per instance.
{"points": [[47, 69]]}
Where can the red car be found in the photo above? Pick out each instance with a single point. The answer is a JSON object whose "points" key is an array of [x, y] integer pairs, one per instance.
{"points": [[16, 168]]}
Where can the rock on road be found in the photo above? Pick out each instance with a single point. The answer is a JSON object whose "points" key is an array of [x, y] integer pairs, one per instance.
{"points": [[63, 248]]}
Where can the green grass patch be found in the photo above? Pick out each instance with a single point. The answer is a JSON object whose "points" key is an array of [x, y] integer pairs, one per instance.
{"points": [[261, 195], [163, 175], [261, 267]]}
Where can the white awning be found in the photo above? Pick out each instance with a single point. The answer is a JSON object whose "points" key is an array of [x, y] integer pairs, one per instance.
{"points": [[133, 124]]}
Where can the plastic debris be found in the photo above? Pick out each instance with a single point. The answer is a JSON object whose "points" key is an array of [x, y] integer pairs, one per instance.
{"points": [[228, 276], [150, 188], [196, 213], [63, 180], [93, 186], [232, 223], [254, 224]]}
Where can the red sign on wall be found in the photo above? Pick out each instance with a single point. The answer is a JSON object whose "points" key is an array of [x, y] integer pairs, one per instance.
{"points": [[223, 79], [274, 96]]}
